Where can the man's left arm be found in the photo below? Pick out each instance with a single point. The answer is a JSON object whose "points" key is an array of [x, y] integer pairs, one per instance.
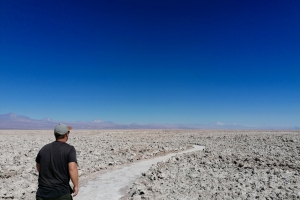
{"points": [[73, 171], [38, 167]]}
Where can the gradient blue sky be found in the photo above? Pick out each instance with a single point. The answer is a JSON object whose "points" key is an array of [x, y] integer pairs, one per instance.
{"points": [[194, 61]]}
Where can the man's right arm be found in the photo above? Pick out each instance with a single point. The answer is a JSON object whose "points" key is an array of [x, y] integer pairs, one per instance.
{"points": [[73, 171]]}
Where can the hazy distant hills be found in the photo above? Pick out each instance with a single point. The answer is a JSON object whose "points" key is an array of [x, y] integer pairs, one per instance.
{"points": [[14, 121]]}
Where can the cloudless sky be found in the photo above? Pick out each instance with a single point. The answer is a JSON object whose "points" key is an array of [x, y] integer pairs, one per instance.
{"points": [[192, 61]]}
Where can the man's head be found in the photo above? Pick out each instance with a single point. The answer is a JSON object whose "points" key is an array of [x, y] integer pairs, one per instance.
{"points": [[61, 131]]}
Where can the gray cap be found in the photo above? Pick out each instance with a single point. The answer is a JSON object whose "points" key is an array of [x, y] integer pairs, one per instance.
{"points": [[62, 129]]}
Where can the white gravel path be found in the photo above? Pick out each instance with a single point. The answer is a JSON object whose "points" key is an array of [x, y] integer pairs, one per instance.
{"points": [[111, 185]]}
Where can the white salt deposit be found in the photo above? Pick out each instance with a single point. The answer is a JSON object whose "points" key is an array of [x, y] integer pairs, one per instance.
{"points": [[234, 165], [111, 184]]}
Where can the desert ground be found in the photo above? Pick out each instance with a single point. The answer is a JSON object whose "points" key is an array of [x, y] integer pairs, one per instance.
{"points": [[233, 165]]}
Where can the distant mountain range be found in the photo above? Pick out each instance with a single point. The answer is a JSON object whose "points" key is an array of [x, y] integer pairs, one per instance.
{"points": [[14, 121]]}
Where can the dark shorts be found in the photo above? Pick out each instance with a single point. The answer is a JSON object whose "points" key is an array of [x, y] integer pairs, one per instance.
{"points": [[64, 197]]}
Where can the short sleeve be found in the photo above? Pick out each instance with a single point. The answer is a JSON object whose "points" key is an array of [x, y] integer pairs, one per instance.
{"points": [[38, 158], [72, 155]]}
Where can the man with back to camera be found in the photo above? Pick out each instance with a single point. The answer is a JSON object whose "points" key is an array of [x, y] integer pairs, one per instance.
{"points": [[56, 163]]}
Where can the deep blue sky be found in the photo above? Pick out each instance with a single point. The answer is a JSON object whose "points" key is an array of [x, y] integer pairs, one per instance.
{"points": [[152, 61]]}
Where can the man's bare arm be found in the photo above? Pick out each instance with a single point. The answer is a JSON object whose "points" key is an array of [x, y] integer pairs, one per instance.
{"points": [[38, 167], [73, 171]]}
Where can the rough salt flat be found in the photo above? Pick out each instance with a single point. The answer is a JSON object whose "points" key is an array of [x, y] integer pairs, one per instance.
{"points": [[111, 185], [234, 165]]}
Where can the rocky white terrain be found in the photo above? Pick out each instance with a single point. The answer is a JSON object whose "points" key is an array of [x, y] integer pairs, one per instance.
{"points": [[235, 164], [113, 183], [238, 165]]}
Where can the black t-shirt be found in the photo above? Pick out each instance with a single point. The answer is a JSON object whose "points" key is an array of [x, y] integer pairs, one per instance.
{"points": [[54, 173]]}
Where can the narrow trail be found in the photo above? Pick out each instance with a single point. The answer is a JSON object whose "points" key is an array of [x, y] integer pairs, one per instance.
{"points": [[110, 185]]}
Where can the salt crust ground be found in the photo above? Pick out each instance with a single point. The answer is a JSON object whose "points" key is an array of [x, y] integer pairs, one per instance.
{"points": [[235, 164], [113, 183]]}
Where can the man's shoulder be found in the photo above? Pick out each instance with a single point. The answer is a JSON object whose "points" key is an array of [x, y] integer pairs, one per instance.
{"points": [[68, 146], [47, 145], [57, 145]]}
